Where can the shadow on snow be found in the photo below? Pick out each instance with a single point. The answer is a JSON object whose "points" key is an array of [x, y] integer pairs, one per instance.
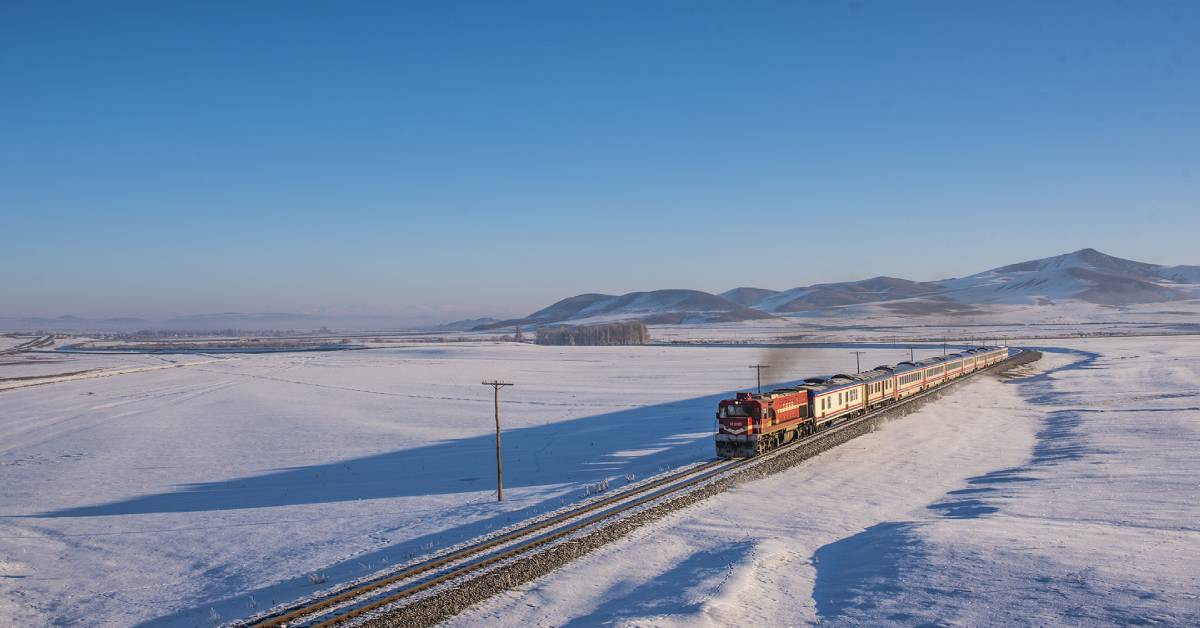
{"points": [[638, 440], [667, 593], [560, 456], [859, 574]]}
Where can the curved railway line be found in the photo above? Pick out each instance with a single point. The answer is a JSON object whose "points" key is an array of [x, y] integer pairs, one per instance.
{"points": [[367, 599], [36, 343]]}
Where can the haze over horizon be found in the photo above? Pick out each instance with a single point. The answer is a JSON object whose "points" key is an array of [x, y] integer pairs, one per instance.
{"points": [[475, 160]]}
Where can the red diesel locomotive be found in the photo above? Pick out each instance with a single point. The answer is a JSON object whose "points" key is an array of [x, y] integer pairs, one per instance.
{"points": [[750, 424]]}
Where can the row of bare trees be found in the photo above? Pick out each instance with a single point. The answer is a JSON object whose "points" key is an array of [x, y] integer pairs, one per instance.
{"points": [[625, 333]]}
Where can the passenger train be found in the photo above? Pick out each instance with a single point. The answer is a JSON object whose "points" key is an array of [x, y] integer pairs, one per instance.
{"points": [[751, 424]]}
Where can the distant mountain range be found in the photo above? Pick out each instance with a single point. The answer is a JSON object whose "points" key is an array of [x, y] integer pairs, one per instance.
{"points": [[1086, 275]]}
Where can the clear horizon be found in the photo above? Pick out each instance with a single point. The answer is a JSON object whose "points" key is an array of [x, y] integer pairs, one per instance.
{"points": [[469, 159]]}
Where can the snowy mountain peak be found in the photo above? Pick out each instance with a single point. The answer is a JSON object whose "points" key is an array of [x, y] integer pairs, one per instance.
{"points": [[1085, 275], [1083, 258]]}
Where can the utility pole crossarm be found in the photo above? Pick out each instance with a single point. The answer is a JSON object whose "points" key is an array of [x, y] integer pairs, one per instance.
{"points": [[496, 386], [857, 360]]}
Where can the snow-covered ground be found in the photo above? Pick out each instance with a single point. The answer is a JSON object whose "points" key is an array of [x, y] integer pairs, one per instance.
{"points": [[7, 342], [877, 322], [161, 494], [1070, 496], [169, 495], [26, 369]]}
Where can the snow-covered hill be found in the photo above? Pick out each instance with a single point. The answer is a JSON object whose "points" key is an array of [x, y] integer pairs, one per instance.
{"points": [[658, 306], [747, 296], [1085, 275], [826, 295]]}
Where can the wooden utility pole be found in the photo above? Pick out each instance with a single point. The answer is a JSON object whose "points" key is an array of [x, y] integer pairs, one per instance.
{"points": [[760, 367], [857, 365], [496, 386]]}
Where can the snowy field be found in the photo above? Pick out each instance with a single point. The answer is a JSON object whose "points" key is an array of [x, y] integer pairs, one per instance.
{"points": [[175, 495], [163, 494], [875, 322], [19, 370], [1070, 496], [8, 341]]}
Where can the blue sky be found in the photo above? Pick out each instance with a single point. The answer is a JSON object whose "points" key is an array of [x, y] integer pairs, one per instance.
{"points": [[491, 157]]}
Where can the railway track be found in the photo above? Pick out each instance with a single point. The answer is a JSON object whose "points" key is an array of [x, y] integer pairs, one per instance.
{"points": [[364, 599], [36, 343]]}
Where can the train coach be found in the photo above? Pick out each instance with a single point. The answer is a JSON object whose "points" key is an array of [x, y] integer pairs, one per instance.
{"points": [[751, 424]]}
